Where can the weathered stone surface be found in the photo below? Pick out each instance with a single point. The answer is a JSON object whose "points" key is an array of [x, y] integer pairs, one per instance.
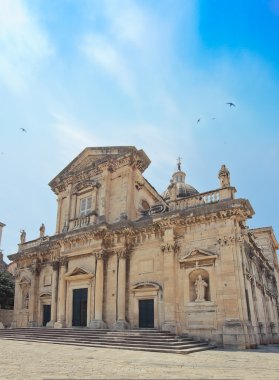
{"points": [[124, 257]]}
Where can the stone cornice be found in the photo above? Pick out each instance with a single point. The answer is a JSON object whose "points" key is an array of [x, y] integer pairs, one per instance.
{"points": [[130, 233], [94, 161]]}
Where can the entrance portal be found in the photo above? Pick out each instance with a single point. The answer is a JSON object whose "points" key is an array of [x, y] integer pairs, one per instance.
{"points": [[79, 307], [146, 313], [46, 314]]}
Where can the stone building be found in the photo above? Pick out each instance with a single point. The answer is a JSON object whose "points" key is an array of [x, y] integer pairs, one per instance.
{"points": [[124, 256]]}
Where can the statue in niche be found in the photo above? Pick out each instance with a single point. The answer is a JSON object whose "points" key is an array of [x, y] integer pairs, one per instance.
{"points": [[22, 236], [42, 230], [200, 286], [224, 176], [26, 300]]}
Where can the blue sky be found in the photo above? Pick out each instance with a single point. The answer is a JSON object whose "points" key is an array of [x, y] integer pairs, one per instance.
{"points": [[77, 73]]}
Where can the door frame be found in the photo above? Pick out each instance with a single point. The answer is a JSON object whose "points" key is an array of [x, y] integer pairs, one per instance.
{"points": [[69, 302], [146, 291], [44, 299], [43, 306], [139, 303], [80, 305]]}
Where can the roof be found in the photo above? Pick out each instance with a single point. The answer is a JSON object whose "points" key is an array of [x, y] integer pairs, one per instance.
{"points": [[91, 156]]}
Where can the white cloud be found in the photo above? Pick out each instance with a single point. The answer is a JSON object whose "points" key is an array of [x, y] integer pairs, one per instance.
{"points": [[101, 51], [72, 136], [22, 44], [129, 23]]}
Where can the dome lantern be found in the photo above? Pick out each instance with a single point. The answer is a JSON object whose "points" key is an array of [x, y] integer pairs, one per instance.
{"points": [[178, 187]]}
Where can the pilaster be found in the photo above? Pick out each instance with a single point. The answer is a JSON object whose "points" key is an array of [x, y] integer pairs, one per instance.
{"points": [[55, 267], [169, 249], [33, 300], [98, 322], [61, 322], [121, 322]]}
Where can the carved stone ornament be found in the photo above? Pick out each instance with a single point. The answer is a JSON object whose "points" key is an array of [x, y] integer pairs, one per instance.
{"points": [[55, 265], [122, 253], [25, 282], [197, 258], [100, 255], [35, 268], [22, 236], [78, 273], [230, 240], [16, 273], [139, 183], [200, 286], [170, 247], [224, 177], [63, 260], [86, 184]]}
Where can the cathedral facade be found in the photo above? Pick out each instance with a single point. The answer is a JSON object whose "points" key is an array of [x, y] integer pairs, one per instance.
{"points": [[125, 257]]}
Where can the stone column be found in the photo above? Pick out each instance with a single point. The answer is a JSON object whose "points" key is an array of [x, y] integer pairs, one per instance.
{"points": [[55, 266], [61, 322], [169, 249], [73, 206], [33, 299], [121, 323], [98, 322], [16, 303]]}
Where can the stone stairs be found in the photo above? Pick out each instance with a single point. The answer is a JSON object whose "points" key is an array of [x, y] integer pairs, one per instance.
{"points": [[136, 340]]}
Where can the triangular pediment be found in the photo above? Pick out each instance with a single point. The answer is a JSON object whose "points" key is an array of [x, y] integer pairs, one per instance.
{"points": [[77, 271], [198, 254], [25, 281], [92, 157]]}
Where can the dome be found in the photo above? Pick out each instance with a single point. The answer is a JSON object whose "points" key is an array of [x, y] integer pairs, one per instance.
{"points": [[182, 188]]}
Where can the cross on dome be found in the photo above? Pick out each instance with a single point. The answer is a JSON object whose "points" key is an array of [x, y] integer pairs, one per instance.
{"points": [[179, 163]]}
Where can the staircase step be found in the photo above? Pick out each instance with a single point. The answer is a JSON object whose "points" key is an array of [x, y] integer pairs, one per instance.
{"points": [[138, 340]]}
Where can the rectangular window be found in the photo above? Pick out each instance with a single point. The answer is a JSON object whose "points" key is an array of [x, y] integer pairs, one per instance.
{"points": [[85, 206]]}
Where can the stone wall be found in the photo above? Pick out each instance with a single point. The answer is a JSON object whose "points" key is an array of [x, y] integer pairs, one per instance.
{"points": [[6, 317]]}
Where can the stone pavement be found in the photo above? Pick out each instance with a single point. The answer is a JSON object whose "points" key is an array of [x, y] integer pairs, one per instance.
{"points": [[28, 360]]}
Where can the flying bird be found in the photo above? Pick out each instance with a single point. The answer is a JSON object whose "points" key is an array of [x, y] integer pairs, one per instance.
{"points": [[213, 118], [231, 104], [23, 130], [198, 121]]}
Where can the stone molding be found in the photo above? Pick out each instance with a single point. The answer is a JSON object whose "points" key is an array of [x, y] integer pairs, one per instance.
{"points": [[198, 258], [55, 265], [100, 255], [170, 247]]}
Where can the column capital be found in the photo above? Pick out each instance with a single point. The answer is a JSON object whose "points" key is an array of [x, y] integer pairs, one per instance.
{"points": [[122, 253], [35, 268], [63, 260], [100, 255], [55, 265], [173, 247]]}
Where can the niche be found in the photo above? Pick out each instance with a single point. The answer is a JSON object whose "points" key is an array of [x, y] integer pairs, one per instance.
{"points": [[199, 286]]}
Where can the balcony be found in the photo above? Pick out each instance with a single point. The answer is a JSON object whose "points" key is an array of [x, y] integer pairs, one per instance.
{"points": [[208, 197], [83, 221]]}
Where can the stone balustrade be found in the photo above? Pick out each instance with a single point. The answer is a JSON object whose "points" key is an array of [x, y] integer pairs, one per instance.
{"points": [[29, 244], [214, 196], [82, 221]]}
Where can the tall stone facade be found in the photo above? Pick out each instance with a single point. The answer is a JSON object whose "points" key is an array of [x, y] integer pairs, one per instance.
{"points": [[123, 256]]}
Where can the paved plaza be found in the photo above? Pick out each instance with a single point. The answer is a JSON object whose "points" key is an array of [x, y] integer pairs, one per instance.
{"points": [[28, 360]]}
